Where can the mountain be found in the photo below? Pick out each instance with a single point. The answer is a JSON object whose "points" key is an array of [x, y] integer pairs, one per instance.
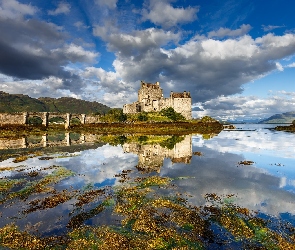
{"points": [[243, 121], [19, 103], [287, 117], [73, 105]]}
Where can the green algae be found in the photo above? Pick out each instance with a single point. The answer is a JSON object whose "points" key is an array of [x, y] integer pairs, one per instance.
{"points": [[150, 220], [34, 186]]}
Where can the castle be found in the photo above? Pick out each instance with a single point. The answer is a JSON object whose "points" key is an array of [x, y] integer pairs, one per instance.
{"points": [[150, 99]]}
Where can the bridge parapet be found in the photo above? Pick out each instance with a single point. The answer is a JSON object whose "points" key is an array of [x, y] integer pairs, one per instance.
{"points": [[23, 117]]}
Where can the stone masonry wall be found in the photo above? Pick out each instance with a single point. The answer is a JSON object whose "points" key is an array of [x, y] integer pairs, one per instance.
{"points": [[149, 91], [22, 118], [12, 118], [165, 103], [92, 119], [183, 106], [129, 108]]}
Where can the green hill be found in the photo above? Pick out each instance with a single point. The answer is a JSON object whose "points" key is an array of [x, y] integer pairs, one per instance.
{"points": [[10, 103], [287, 117], [73, 105], [19, 103]]}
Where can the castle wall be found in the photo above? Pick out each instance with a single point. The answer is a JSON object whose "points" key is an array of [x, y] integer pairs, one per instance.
{"points": [[150, 105], [183, 106], [131, 108], [165, 103]]}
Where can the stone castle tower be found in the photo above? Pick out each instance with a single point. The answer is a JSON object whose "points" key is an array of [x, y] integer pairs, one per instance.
{"points": [[150, 99]]}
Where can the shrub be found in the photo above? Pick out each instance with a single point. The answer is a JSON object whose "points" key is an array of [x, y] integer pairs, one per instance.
{"points": [[208, 119], [142, 116], [172, 114], [114, 115]]}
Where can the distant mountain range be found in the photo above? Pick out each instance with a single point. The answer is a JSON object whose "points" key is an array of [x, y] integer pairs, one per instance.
{"points": [[19, 103], [287, 117], [244, 121]]}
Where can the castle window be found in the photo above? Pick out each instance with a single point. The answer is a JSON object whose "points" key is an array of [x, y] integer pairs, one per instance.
{"points": [[138, 108]]}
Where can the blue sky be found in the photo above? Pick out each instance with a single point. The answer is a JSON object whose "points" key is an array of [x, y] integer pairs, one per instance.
{"points": [[237, 58]]}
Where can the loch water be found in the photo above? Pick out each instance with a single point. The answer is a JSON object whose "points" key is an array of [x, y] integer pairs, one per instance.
{"points": [[198, 165]]}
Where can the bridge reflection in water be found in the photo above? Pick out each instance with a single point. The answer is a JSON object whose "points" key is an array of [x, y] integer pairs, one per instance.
{"points": [[151, 157], [66, 139]]}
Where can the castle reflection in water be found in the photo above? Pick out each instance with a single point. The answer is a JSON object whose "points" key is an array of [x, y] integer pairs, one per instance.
{"points": [[151, 157]]}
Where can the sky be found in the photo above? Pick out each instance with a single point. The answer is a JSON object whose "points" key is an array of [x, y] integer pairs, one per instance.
{"points": [[237, 58]]}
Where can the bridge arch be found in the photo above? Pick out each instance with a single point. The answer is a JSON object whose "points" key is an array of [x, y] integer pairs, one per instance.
{"points": [[35, 120], [81, 117], [75, 119], [59, 117], [33, 115]]}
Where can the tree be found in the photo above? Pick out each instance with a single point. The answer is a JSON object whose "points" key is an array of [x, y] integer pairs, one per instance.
{"points": [[208, 119], [172, 114], [114, 115], [142, 116]]}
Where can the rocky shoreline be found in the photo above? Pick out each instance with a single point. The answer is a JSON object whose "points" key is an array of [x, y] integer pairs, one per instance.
{"points": [[290, 128]]}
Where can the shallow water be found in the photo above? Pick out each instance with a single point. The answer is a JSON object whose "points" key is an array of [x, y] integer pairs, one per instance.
{"points": [[198, 167]]}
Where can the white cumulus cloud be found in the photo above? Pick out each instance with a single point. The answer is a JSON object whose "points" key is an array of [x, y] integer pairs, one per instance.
{"points": [[13, 9], [164, 14], [62, 8]]}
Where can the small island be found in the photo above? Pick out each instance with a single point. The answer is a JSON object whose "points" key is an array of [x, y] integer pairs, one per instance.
{"points": [[290, 128]]}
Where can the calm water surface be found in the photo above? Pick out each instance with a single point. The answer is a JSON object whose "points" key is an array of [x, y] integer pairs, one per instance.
{"points": [[204, 165]]}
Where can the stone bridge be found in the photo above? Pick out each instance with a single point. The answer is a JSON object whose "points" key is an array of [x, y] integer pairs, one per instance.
{"points": [[23, 118]]}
